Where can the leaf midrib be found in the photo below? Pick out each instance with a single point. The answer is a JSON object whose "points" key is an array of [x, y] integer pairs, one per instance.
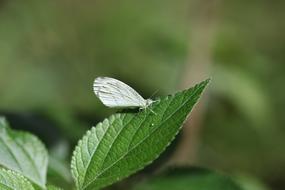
{"points": [[194, 93], [12, 153], [32, 161], [18, 162]]}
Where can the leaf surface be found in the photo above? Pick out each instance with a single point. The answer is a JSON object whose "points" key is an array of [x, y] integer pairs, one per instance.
{"points": [[126, 142], [24, 153], [52, 187]]}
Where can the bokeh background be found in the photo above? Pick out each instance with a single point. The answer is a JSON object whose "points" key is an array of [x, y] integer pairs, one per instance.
{"points": [[51, 51]]}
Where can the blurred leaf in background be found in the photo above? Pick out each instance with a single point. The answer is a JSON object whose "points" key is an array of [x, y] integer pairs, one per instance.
{"points": [[189, 178], [24, 153]]}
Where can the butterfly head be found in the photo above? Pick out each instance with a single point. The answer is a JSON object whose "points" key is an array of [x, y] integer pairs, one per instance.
{"points": [[148, 102]]}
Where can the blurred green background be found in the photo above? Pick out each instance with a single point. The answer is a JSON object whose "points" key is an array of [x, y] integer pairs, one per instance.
{"points": [[51, 51]]}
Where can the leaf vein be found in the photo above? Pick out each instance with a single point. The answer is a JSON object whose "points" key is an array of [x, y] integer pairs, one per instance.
{"points": [[182, 105]]}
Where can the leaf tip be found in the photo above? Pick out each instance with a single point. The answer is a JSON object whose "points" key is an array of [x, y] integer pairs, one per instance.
{"points": [[202, 85], [207, 81]]}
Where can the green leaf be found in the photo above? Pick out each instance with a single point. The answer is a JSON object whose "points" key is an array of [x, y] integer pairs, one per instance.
{"points": [[126, 142], [23, 153], [10, 180], [52, 187], [185, 179]]}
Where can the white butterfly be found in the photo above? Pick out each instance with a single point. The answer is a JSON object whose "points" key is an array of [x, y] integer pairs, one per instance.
{"points": [[116, 94]]}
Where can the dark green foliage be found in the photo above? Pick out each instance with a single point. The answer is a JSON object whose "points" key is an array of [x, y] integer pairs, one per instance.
{"points": [[192, 178]]}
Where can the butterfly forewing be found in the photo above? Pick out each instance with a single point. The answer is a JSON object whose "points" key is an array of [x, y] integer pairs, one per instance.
{"points": [[114, 93]]}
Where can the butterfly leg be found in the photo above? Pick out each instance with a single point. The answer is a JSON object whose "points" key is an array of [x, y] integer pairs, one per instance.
{"points": [[145, 108], [152, 111]]}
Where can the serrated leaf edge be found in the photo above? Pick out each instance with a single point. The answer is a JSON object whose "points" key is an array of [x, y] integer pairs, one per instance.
{"points": [[18, 175], [77, 150]]}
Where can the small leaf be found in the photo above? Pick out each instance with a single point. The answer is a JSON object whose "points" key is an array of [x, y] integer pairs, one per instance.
{"points": [[10, 180], [194, 179], [24, 153], [126, 142]]}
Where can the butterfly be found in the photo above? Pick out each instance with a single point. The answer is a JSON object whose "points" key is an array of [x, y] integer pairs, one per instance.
{"points": [[116, 94]]}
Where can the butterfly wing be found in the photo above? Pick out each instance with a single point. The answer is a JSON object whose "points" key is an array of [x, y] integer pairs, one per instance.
{"points": [[114, 93]]}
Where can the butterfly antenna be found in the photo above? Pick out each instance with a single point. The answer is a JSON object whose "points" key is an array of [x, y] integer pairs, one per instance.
{"points": [[153, 94]]}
